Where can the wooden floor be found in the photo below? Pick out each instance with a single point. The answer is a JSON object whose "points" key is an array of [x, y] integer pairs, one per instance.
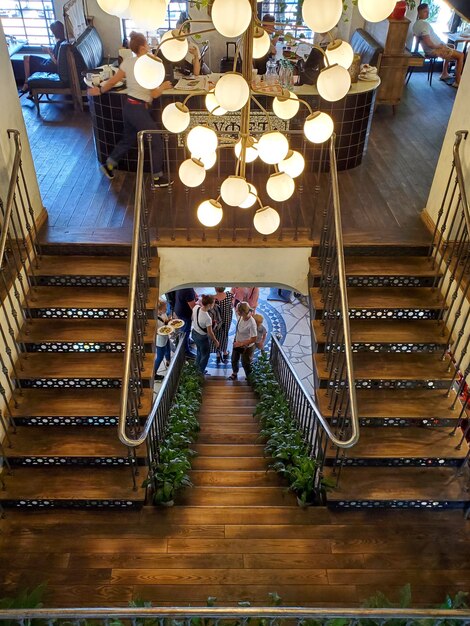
{"points": [[381, 199]]}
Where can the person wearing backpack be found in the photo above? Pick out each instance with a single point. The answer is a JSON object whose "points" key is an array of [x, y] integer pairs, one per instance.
{"points": [[201, 331]]}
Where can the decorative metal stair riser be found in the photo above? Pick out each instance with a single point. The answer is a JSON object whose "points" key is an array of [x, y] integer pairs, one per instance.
{"points": [[71, 383], [408, 348], [38, 504], [391, 314], [400, 422], [82, 281], [79, 313], [384, 281], [67, 461], [75, 346], [398, 504], [392, 384], [393, 462], [67, 420]]}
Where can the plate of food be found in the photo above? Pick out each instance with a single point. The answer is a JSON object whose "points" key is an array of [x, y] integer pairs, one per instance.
{"points": [[165, 330], [176, 324]]}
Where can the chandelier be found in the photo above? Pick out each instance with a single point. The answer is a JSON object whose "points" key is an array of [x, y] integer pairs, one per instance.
{"points": [[234, 92]]}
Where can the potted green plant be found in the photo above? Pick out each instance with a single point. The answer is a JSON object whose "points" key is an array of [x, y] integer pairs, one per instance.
{"points": [[169, 475]]}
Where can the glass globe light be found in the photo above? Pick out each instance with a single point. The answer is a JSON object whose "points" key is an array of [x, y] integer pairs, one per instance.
{"points": [[266, 220], [212, 105], [114, 7], [287, 105], [251, 151], [376, 10], [251, 199], [176, 117], [175, 48], [149, 71], [234, 190], [273, 147], [148, 15], [232, 91], [293, 164], [209, 213], [280, 186], [333, 83], [192, 172], [318, 127], [201, 140], [208, 160], [261, 43], [231, 18], [339, 52], [322, 15]]}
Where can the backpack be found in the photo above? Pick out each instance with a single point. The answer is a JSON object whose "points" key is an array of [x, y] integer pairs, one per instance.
{"points": [[216, 316]]}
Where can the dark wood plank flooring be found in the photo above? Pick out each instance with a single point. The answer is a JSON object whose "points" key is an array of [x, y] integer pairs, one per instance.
{"points": [[381, 199]]}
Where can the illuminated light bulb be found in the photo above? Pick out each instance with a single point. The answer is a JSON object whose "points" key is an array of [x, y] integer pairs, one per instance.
{"points": [[287, 105], [234, 190], [376, 10], [201, 140], [266, 220], [149, 71], [293, 164], [231, 18], [192, 172], [209, 213], [148, 15], [322, 15], [176, 117], [208, 160], [273, 147], [251, 199], [251, 151], [280, 186], [333, 83], [212, 105], [318, 127], [174, 48], [261, 43], [232, 91], [339, 52], [114, 7]]}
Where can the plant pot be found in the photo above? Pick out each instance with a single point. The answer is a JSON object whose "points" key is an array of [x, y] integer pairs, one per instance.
{"points": [[168, 503], [399, 11]]}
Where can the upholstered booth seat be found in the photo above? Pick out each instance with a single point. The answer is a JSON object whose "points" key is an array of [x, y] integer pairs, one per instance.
{"points": [[45, 84], [87, 53], [367, 47], [46, 79]]}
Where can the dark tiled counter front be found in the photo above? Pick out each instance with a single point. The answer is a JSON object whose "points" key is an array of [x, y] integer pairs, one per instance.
{"points": [[352, 117]]}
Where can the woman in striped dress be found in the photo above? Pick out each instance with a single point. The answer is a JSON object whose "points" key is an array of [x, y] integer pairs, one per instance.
{"points": [[223, 301]]}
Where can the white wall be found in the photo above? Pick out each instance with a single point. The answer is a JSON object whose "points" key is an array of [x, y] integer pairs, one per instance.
{"points": [[234, 266]]}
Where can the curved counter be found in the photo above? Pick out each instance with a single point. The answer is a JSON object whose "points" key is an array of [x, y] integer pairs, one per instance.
{"points": [[352, 117]]}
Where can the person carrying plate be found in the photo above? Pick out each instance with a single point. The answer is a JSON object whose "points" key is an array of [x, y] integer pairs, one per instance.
{"points": [[163, 341], [136, 112], [201, 331]]}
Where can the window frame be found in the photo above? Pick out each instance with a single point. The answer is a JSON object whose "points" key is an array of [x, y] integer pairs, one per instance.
{"points": [[170, 21], [27, 35]]}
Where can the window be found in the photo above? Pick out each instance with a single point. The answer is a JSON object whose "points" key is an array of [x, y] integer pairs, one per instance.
{"points": [[289, 11], [175, 7], [28, 21]]}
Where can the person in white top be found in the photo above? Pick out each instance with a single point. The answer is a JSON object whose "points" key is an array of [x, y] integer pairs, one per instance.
{"points": [[244, 341], [136, 112], [201, 330], [434, 47]]}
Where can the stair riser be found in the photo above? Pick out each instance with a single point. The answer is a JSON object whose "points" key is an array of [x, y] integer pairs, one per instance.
{"points": [[391, 314], [401, 422], [382, 250], [48, 504], [79, 421], [397, 504], [77, 346], [401, 348], [86, 281], [82, 313], [74, 383], [394, 384], [383, 281], [395, 462], [65, 461]]}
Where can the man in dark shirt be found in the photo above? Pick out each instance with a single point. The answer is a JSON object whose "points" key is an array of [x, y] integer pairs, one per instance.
{"points": [[185, 301]]}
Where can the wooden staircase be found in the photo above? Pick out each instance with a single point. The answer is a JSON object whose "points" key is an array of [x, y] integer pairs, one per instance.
{"points": [[405, 456], [66, 452]]}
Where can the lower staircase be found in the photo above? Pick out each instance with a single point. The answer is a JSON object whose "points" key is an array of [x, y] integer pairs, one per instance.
{"points": [[407, 454], [65, 451]]}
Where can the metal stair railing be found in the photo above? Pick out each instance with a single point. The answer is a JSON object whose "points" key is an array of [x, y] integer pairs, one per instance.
{"points": [[18, 260], [450, 255], [237, 616]]}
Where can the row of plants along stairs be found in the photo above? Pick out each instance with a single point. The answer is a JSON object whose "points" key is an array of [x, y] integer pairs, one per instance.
{"points": [[407, 454], [65, 451]]}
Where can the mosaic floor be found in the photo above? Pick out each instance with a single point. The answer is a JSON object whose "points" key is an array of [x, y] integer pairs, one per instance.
{"points": [[290, 321]]}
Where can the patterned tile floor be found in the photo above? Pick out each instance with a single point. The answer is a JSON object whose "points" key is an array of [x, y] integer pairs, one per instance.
{"points": [[290, 321]]}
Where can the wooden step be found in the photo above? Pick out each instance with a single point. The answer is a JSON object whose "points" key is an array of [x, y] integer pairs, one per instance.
{"points": [[222, 437], [61, 265], [72, 484], [79, 330], [216, 409], [400, 484], [218, 418], [382, 266], [220, 428], [72, 402], [76, 365], [389, 332], [68, 441], [384, 366], [390, 298], [252, 463], [235, 478], [405, 443], [228, 450], [235, 496], [86, 298], [400, 404]]}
